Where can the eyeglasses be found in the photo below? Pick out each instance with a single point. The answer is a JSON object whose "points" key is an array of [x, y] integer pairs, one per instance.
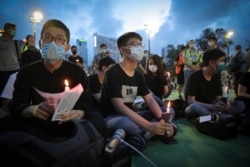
{"points": [[135, 44], [59, 40]]}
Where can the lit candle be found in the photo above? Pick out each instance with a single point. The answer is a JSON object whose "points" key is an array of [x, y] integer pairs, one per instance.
{"points": [[168, 107], [77, 60], [66, 85], [224, 91]]}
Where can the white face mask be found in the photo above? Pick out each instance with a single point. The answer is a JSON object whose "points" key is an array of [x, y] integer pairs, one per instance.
{"points": [[191, 45], [153, 68], [210, 44], [53, 52], [103, 50], [136, 53]]}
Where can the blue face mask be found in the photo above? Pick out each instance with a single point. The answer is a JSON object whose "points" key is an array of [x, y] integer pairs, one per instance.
{"points": [[13, 33], [53, 52], [220, 67]]}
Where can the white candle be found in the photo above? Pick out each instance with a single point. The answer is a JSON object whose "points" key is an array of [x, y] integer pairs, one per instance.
{"points": [[168, 107], [224, 91], [66, 85]]}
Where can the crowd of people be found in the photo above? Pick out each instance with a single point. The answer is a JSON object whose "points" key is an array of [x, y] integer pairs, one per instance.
{"points": [[109, 95]]}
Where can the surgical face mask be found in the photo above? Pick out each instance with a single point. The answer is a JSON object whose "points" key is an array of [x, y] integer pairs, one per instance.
{"points": [[220, 67], [210, 44], [136, 53], [191, 45], [13, 33], [53, 52], [103, 51], [153, 68]]}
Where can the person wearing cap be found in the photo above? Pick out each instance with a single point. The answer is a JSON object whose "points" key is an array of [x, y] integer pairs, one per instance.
{"points": [[9, 55]]}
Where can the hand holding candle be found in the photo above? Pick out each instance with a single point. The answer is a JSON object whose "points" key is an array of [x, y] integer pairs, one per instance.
{"points": [[66, 85], [224, 95], [167, 116], [224, 91], [168, 107]]}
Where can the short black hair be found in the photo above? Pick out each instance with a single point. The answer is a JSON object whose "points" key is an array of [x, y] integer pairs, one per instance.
{"points": [[8, 25], [212, 37], [57, 24], [103, 45], [124, 38], [212, 55], [28, 36], [238, 47], [105, 61], [73, 46]]}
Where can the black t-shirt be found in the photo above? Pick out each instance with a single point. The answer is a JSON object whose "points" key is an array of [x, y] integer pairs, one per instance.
{"points": [[117, 84], [204, 91], [74, 59], [245, 81], [95, 86], [30, 56], [36, 76], [156, 85]]}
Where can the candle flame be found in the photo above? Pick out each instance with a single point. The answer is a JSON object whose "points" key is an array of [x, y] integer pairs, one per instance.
{"points": [[66, 83]]}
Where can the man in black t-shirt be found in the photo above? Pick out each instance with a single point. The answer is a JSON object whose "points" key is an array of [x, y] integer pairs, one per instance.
{"points": [[96, 80], [205, 91], [74, 58], [122, 84]]}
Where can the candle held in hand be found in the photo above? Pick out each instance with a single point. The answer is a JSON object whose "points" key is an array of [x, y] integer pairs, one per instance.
{"points": [[66, 85]]}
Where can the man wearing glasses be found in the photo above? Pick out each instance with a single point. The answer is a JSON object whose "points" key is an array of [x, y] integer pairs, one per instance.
{"points": [[122, 84], [48, 76]]}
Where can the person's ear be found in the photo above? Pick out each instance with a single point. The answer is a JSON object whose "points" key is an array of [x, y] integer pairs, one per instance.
{"points": [[67, 47], [104, 68], [124, 50]]}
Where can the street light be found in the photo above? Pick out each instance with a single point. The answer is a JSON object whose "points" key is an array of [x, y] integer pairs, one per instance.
{"points": [[36, 18], [147, 28], [228, 36]]}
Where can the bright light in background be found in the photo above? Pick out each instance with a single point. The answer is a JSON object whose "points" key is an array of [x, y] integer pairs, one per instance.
{"points": [[229, 34], [35, 18], [140, 13]]}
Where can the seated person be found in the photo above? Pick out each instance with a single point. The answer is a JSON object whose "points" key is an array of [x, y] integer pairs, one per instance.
{"points": [[31, 53], [122, 84], [96, 80], [33, 111], [8, 91], [205, 90], [244, 96], [155, 77], [244, 89]]}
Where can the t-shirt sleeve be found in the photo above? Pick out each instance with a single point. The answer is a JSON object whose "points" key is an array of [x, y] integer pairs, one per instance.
{"points": [[143, 88]]}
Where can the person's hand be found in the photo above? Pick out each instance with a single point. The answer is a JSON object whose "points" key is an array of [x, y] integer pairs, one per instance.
{"points": [[161, 128], [170, 130], [220, 106], [42, 111], [70, 115]]}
